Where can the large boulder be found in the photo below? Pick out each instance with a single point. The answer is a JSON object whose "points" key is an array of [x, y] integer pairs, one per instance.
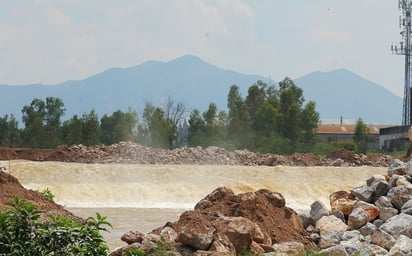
{"points": [[397, 225], [317, 210], [328, 224]]}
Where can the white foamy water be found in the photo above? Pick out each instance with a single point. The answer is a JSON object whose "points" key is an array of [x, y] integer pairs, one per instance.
{"points": [[143, 197]]}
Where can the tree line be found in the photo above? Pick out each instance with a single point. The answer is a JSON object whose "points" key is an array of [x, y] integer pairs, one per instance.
{"points": [[269, 119]]}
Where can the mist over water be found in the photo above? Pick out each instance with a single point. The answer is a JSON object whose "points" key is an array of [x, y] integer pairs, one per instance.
{"points": [[143, 197]]}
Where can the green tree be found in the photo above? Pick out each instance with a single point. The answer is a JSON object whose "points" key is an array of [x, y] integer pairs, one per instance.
{"points": [[240, 132], [10, 134], [90, 131], [54, 112], [309, 123], [291, 100], [72, 131], [33, 119], [361, 136], [120, 126], [156, 130], [42, 122]]}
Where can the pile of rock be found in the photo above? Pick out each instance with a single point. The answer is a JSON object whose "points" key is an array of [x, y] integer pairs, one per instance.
{"points": [[227, 224], [373, 219], [131, 153]]}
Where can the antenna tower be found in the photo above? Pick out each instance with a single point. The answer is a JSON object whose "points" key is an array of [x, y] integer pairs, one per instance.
{"points": [[404, 48]]}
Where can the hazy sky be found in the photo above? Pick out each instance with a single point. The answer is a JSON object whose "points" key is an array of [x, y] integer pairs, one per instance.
{"points": [[51, 41]]}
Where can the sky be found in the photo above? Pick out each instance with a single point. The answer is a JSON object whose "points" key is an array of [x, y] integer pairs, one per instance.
{"points": [[52, 41]]}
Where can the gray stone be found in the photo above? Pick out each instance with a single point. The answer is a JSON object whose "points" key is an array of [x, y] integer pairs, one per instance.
{"points": [[392, 180], [381, 189], [306, 220], [407, 207], [375, 250], [327, 224], [168, 235], [402, 247], [398, 224], [363, 193], [201, 239], [399, 196], [351, 234], [330, 239], [317, 210], [386, 213], [352, 246], [357, 218], [378, 222], [383, 201], [290, 248], [367, 229], [372, 181], [337, 250], [397, 167], [382, 239], [339, 215]]}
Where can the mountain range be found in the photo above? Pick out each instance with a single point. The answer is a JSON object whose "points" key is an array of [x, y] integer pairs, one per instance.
{"points": [[196, 83]]}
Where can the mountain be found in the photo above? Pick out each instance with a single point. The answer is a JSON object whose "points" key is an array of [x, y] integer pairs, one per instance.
{"points": [[196, 84], [341, 93]]}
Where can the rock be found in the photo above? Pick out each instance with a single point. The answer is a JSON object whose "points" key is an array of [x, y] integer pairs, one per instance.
{"points": [[357, 218], [381, 189], [363, 193], [383, 201], [397, 167], [402, 247], [399, 196], [351, 235], [352, 246], [375, 250], [367, 229], [386, 213], [317, 210], [374, 180], [339, 215], [199, 239], [274, 198], [195, 231], [402, 181], [407, 207], [214, 196], [240, 231], [382, 239], [330, 239], [340, 201], [328, 224], [371, 209], [337, 250], [306, 220], [398, 224], [132, 237], [168, 235], [222, 244], [289, 248]]}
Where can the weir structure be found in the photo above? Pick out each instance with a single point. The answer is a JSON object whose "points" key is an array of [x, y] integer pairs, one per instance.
{"points": [[404, 48]]}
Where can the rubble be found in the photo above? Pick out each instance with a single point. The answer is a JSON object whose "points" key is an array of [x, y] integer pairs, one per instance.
{"points": [[132, 153]]}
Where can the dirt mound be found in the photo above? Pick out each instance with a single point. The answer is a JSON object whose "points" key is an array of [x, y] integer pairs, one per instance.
{"points": [[10, 187], [131, 153], [227, 224]]}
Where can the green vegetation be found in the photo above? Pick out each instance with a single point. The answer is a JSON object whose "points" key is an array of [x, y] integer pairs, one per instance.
{"points": [[267, 120], [22, 233], [270, 119], [47, 194]]}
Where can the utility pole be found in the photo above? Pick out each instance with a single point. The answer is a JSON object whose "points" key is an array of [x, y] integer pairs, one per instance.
{"points": [[404, 48]]}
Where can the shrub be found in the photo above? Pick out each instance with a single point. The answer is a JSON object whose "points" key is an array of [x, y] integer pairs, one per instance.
{"points": [[47, 194], [22, 233]]}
